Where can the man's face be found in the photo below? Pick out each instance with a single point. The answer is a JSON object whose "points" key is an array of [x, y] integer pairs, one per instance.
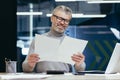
{"points": [[60, 21]]}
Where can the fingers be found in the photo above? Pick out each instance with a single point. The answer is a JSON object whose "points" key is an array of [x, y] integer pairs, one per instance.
{"points": [[79, 58], [33, 59], [34, 55]]}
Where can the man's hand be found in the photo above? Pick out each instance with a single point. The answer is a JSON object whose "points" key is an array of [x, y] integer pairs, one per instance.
{"points": [[33, 59], [78, 58]]}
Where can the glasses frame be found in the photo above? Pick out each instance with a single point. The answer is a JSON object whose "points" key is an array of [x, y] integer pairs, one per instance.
{"points": [[66, 21]]}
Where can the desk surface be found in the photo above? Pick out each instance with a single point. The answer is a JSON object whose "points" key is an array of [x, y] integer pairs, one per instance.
{"points": [[85, 77], [67, 76]]}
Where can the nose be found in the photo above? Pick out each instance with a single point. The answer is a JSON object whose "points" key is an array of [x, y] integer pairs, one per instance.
{"points": [[62, 21]]}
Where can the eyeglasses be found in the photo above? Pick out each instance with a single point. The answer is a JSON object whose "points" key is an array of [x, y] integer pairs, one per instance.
{"points": [[62, 19]]}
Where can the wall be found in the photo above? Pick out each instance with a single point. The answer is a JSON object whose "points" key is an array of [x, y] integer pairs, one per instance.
{"points": [[7, 31]]}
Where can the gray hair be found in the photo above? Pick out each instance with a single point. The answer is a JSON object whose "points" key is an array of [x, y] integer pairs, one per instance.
{"points": [[63, 8]]}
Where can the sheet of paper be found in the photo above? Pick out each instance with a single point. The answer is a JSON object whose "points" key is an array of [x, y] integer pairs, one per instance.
{"points": [[23, 76], [68, 47], [51, 50], [46, 47]]}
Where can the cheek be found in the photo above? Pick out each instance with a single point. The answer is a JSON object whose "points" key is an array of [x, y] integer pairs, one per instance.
{"points": [[54, 22]]}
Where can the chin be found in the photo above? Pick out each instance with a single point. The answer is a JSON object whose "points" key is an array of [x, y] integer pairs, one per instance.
{"points": [[59, 31]]}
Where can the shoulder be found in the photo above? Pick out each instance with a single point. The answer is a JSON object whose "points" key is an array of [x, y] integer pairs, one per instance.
{"points": [[45, 34]]}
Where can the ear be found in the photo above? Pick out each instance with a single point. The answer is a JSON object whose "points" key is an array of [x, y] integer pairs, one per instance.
{"points": [[52, 18]]}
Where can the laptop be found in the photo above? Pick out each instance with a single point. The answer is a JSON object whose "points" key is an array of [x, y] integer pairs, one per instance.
{"points": [[112, 67]]}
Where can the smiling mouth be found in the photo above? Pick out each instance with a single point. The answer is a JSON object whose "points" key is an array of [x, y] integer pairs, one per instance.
{"points": [[60, 27]]}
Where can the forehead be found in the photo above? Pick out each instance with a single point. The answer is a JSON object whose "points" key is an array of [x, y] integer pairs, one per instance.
{"points": [[63, 14]]}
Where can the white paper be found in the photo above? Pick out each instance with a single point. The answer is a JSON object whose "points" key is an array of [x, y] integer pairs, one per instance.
{"points": [[23, 76], [51, 50], [68, 47], [116, 33], [46, 47]]}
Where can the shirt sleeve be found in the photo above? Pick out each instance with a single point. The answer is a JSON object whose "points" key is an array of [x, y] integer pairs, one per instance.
{"points": [[25, 66], [78, 68]]}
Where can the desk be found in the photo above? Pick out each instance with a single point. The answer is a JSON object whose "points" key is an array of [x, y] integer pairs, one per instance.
{"points": [[67, 76], [85, 77]]}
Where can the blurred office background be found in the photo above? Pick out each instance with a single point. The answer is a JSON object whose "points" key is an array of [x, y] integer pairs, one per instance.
{"points": [[91, 21]]}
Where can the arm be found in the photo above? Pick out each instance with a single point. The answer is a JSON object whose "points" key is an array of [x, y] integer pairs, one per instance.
{"points": [[80, 67], [31, 59]]}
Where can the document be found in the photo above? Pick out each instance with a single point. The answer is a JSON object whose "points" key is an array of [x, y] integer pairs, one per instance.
{"points": [[23, 76], [46, 47], [70, 46], [51, 49]]}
